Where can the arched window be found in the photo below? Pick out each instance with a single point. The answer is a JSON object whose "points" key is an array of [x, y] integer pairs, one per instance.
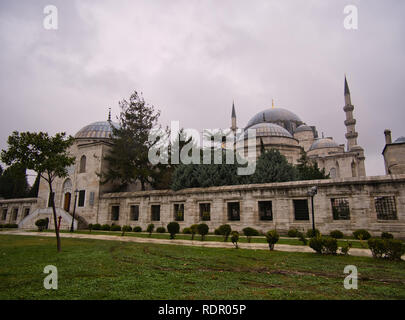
{"points": [[332, 173], [82, 164], [354, 169]]}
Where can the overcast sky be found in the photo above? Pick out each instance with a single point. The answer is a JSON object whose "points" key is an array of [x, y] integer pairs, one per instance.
{"points": [[192, 58]]}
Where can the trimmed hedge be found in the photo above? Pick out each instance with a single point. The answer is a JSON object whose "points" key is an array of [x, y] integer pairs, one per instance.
{"points": [[336, 234], [324, 245], [311, 233], [160, 230], [106, 227], [126, 228], [173, 228], [137, 229], [386, 248], [272, 238], [97, 226], [292, 233], [115, 228], [387, 235], [249, 233], [361, 234]]}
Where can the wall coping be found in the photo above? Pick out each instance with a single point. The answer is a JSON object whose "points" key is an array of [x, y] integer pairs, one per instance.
{"points": [[400, 178], [18, 200]]}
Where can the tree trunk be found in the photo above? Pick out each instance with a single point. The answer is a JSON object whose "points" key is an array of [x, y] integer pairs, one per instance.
{"points": [[55, 218]]}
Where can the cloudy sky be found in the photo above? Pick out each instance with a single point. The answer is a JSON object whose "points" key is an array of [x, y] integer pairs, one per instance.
{"points": [[192, 58]]}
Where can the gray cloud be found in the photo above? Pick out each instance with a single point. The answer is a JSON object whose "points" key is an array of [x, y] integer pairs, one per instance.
{"points": [[192, 58]]}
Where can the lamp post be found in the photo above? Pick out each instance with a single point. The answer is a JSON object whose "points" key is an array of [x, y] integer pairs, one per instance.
{"points": [[74, 211], [312, 192]]}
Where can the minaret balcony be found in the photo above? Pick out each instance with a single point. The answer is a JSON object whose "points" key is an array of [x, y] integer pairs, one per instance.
{"points": [[350, 122], [348, 107], [351, 135]]}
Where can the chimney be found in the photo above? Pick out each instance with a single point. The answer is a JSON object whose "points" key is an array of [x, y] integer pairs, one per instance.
{"points": [[387, 133]]}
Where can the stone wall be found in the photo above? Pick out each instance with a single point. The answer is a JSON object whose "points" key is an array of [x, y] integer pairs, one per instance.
{"points": [[360, 194]]}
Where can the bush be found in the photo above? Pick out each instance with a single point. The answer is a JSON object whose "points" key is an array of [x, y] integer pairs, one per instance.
{"points": [[90, 226], [14, 225], [250, 232], [106, 227], [217, 232], [336, 234], [293, 233], [225, 230], [324, 245], [272, 238], [387, 235], [160, 230], [301, 237], [386, 248], [312, 234], [345, 248], [150, 229], [126, 229], [40, 223], [115, 228], [96, 226], [235, 238], [137, 229], [361, 234], [194, 230], [202, 230], [173, 228], [187, 230]]}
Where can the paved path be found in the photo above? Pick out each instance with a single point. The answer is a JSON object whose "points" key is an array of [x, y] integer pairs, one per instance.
{"points": [[208, 244]]}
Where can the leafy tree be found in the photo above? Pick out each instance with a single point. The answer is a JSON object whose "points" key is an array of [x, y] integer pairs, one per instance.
{"points": [[202, 230], [249, 233], [128, 158], [272, 166], [309, 170], [41, 153], [13, 182], [225, 230], [150, 228], [194, 230], [272, 238], [173, 228], [235, 238]]}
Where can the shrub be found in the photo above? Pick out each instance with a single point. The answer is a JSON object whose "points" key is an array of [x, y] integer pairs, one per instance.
{"points": [[202, 230], [301, 237], [160, 230], [324, 245], [187, 230], [96, 226], [387, 235], [106, 227], [126, 229], [115, 228], [217, 232], [312, 234], [40, 223], [386, 248], [137, 229], [1, 226], [90, 226], [225, 230], [345, 248], [150, 229], [293, 233], [235, 238], [272, 238], [194, 230], [336, 234], [173, 228], [361, 234], [249, 233]]}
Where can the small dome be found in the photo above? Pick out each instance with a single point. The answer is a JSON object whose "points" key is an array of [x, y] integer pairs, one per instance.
{"points": [[268, 130], [323, 143], [400, 140], [273, 115], [96, 130], [303, 128]]}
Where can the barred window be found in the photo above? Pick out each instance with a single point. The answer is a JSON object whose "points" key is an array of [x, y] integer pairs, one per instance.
{"points": [[265, 210], [4, 214], [340, 208], [82, 196], [179, 211], [385, 208], [155, 212], [301, 209], [15, 214], [205, 211], [91, 200], [233, 211], [26, 212], [115, 213], [134, 213]]}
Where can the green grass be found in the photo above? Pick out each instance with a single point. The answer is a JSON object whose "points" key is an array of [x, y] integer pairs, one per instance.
{"points": [[99, 269], [242, 239]]}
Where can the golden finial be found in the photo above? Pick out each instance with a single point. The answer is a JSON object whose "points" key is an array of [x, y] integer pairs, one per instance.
{"points": [[272, 103]]}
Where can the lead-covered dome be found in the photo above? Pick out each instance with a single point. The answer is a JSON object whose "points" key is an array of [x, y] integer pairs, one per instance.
{"points": [[96, 130], [268, 130], [323, 143], [303, 128], [283, 117], [400, 140]]}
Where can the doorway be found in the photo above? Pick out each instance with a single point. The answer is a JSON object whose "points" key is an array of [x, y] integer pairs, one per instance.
{"points": [[66, 205]]}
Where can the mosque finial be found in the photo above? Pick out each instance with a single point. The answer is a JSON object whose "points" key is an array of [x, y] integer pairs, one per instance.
{"points": [[272, 103], [109, 114]]}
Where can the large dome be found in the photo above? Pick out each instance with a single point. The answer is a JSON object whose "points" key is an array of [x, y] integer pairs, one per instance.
{"points": [[400, 140], [96, 130], [323, 143], [280, 116]]}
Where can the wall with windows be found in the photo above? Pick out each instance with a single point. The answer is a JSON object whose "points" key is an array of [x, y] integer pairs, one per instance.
{"points": [[373, 203], [15, 210]]}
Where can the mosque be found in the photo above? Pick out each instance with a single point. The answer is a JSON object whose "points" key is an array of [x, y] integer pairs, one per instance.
{"points": [[374, 203]]}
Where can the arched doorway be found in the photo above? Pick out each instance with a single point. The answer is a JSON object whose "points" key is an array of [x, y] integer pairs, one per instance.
{"points": [[67, 194], [66, 202]]}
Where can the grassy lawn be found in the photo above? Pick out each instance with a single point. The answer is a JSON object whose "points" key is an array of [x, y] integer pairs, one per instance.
{"points": [[96, 269], [242, 239]]}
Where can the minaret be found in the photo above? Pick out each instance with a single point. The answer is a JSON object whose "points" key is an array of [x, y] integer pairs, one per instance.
{"points": [[233, 127], [109, 115], [350, 122]]}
